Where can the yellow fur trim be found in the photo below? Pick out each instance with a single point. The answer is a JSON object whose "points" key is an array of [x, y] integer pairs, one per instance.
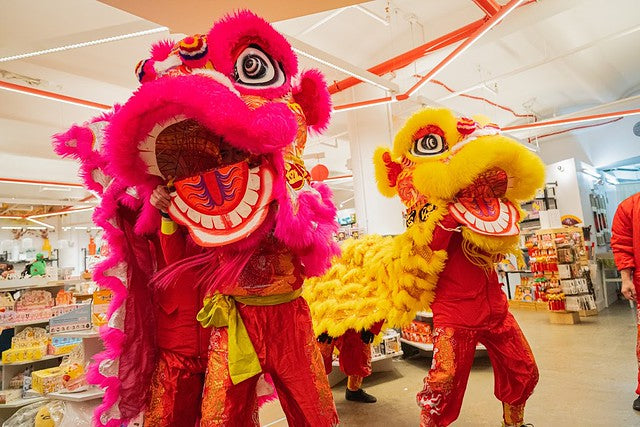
{"points": [[440, 117], [445, 180], [384, 186], [377, 278]]}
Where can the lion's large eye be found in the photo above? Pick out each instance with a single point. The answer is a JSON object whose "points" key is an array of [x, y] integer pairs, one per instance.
{"points": [[428, 145], [254, 67]]}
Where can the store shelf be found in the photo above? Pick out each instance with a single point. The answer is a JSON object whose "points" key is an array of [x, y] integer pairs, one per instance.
{"points": [[336, 363], [25, 323], [21, 402], [28, 362], [88, 333], [429, 347], [427, 314], [36, 282], [81, 396]]}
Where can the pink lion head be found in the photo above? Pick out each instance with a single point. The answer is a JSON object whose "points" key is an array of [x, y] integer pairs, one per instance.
{"points": [[219, 119]]}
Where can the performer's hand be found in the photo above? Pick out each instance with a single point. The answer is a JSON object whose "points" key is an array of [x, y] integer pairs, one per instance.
{"points": [[367, 336], [324, 338], [628, 289], [160, 198]]}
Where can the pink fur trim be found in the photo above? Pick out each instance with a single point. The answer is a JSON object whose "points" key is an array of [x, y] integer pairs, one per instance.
{"points": [[313, 96], [309, 231], [235, 32], [161, 50]]}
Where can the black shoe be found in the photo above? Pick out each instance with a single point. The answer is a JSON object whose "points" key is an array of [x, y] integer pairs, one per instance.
{"points": [[636, 404], [527, 425], [360, 396]]}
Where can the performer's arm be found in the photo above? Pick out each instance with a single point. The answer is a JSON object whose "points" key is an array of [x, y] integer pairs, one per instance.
{"points": [[443, 232], [172, 239], [622, 247]]}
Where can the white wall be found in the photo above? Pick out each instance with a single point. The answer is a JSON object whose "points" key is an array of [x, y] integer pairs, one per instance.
{"points": [[568, 191]]}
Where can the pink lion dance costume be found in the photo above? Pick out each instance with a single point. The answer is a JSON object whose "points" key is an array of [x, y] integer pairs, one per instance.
{"points": [[220, 121]]}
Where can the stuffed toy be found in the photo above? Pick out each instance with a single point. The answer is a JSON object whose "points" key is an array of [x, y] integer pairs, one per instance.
{"points": [[219, 122], [461, 182]]}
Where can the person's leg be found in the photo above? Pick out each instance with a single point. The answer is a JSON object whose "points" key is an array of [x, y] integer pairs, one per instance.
{"points": [[636, 403], [295, 364], [223, 403], [514, 368], [445, 384], [355, 362], [326, 350], [176, 392]]}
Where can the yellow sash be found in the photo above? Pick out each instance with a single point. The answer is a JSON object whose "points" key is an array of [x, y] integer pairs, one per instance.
{"points": [[220, 311]]}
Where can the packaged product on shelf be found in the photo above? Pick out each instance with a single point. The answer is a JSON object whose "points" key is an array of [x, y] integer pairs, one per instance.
{"points": [[418, 332], [79, 318], [10, 395], [74, 374], [47, 380], [101, 300], [64, 298], [391, 343], [33, 304], [29, 344], [62, 345]]}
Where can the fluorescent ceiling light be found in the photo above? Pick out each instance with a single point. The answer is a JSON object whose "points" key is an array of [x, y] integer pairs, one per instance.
{"points": [[40, 223], [66, 189], [371, 14], [65, 212], [571, 120], [336, 63], [366, 105], [84, 44], [50, 96], [36, 228], [39, 183], [12, 228], [80, 228], [494, 20]]}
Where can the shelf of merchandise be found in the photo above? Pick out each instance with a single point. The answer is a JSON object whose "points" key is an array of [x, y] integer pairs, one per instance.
{"points": [[87, 333], [35, 283], [426, 314], [428, 347], [81, 396], [336, 363], [25, 323], [19, 403], [28, 362]]}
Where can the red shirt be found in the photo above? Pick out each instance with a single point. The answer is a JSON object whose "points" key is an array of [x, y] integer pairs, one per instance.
{"points": [[467, 296], [179, 303], [625, 239]]}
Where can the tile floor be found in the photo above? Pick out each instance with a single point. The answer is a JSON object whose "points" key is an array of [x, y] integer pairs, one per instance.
{"points": [[587, 378]]}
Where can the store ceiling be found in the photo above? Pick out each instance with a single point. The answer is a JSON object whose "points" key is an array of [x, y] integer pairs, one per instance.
{"points": [[547, 58]]}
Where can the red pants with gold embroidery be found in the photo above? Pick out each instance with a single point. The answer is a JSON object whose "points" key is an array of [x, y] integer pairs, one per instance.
{"points": [[284, 341], [176, 391], [514, 369], [355, 354]]}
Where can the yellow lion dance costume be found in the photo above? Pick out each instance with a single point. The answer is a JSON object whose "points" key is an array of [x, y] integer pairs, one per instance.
{"points": [[462, 183]]}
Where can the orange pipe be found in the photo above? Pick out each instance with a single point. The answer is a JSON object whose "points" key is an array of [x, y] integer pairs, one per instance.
{"points": [[490, 7], [411, 56], [53, 95], [489, 23], [30, 181], [570, 120], [364, 103]]}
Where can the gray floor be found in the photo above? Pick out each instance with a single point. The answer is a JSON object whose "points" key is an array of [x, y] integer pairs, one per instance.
{"points": [[587, 378]]}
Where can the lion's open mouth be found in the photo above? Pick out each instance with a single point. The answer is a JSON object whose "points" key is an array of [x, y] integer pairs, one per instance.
{"points": [[482, 207], [220, 193]]}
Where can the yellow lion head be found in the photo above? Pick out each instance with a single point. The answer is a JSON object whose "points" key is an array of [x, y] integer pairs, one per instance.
{"points": [[465, 166]]}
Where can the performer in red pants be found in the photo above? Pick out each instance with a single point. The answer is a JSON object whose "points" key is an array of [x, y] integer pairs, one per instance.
{"points": [[178, 380], [470, 308], [355, 359]]}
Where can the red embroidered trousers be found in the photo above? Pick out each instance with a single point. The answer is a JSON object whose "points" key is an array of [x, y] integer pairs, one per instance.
{"points": [[514, 369]]}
